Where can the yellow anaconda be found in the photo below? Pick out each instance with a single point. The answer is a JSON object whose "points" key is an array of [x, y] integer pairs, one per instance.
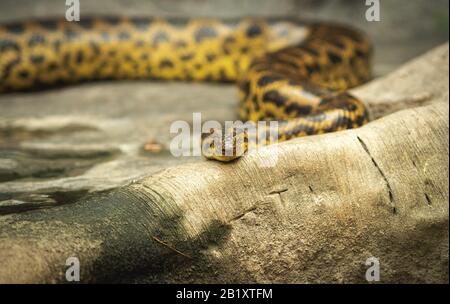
{"points": [[294, 72]]}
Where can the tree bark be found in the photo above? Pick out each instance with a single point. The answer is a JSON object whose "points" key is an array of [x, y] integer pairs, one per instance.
{"points": [[330, 203]]}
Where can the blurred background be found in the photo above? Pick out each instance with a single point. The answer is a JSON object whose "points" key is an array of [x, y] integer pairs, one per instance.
{"points": [[407, 27]]}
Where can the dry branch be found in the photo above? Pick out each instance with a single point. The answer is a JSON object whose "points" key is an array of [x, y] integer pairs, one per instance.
{"points": [[330, 203]]}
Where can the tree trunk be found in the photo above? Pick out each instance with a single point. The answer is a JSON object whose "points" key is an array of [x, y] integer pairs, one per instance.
{"points": [[330, 203]]}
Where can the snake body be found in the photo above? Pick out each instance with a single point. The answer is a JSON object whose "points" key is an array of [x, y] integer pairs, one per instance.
{"points": [[291, 71]]}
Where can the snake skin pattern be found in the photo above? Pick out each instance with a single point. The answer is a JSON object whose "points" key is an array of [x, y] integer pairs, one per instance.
{"points": [[286, 70]]}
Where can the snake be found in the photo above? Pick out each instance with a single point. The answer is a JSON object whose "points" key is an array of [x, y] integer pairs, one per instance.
{"points": [[295, 72]]}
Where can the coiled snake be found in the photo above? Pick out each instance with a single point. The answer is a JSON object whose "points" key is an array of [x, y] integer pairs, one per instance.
{"points": [[294, 72]]}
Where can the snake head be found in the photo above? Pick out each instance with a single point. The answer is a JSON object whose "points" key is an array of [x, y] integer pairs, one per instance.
{"points": [[224, 145]]}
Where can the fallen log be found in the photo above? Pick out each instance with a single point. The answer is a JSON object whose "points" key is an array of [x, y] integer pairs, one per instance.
{"points": [[331, 203]]}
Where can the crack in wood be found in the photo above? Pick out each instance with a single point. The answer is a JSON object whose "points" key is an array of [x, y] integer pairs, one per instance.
{"points": [[171, 248], [253, 208], [427, 197], [278, 191], [388, 185]]}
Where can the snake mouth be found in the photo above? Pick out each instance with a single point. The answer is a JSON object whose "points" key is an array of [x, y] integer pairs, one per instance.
{"points": [[224, 158]]}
